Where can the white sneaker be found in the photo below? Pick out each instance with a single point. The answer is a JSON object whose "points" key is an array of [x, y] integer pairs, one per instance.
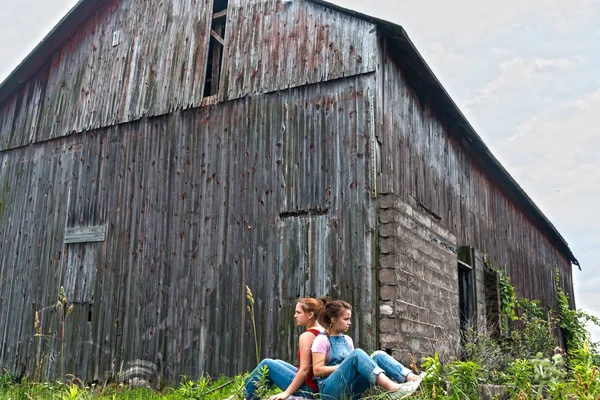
{"points": [[406, 389]]}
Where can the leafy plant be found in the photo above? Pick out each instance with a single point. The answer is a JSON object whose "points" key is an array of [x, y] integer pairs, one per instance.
{"points": [[537, 334], [7, 380], [491, 354], [548, 373], [585, 373], [463, 380], [508, 299], [518, 378], [433, 379], [573, 323], [189, 389], [72, 393], [262, 384]]}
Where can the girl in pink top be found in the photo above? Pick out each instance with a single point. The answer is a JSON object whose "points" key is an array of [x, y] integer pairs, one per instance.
{"points": [[344, 372]]}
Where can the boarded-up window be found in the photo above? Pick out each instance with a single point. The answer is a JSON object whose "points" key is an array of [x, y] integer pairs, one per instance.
{"points": [[306, 254]]}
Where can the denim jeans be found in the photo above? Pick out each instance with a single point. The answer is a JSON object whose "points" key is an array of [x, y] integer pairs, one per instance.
{"points": [[392, 368], [352, 377], [281, 374]]}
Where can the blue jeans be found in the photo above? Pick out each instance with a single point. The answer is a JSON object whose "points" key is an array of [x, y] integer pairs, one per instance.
{"points": [[392, 368], [351, 378], [281, 374], [358, 372]]}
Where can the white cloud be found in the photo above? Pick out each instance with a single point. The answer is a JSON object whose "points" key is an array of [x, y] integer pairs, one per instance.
{"points": [[565, 132], [475, 20], [499, 51], [520, 73]]}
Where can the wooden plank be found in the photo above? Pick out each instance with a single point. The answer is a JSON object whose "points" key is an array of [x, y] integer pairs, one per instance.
{"points": [[85, 234], [217, 37], [220, 14]]}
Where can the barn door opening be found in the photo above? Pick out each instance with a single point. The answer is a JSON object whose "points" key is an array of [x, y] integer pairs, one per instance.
{"points": [[83, 248]]}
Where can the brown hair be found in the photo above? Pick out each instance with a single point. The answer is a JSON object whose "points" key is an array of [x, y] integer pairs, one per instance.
{"points": [[333, 309], [309, 304]]}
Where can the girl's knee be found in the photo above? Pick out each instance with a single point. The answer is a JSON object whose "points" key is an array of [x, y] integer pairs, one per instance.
{"points": [[358, 353], [267, 361], [379, 353]]}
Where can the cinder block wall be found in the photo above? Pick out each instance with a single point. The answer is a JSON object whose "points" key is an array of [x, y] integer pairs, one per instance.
{"points": [[418, 276]]}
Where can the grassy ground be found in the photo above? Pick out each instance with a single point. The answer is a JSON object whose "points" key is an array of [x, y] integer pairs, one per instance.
{"points": [[205, 389], [74, 390]]}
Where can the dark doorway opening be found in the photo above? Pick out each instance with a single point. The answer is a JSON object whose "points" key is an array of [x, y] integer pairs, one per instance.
{"points": [[466, 293]]}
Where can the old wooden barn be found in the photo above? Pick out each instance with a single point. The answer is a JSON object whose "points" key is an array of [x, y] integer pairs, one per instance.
{"points": [[158, 156]]}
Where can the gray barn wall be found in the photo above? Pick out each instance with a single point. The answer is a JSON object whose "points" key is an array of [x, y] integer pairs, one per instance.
{"points": [[270, 191], [157, 63], [424, 163], [419, 308], [277, 44], [196, 205]]}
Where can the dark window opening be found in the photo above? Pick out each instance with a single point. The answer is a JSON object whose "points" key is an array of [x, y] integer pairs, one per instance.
{"points": [[216, 48], [466, 292]]}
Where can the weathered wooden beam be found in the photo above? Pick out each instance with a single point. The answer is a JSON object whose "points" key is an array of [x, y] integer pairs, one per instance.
{"points": [[220, 14], [217, 37], [85, 234]]}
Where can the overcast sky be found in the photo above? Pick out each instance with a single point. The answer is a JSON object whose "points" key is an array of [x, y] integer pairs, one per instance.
{"points": [[526, 73]]}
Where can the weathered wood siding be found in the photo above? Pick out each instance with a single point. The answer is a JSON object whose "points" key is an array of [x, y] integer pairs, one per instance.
{"points": [[138, 59], [270, 191], [424, 162], [278, 44], [132, 59]]}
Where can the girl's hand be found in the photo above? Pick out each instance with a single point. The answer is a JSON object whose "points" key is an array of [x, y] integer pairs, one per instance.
{"points": [[280, 396]]}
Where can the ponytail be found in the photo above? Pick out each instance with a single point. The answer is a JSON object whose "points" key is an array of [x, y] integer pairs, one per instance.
{"points": [[333, 310], [314, 306]]}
